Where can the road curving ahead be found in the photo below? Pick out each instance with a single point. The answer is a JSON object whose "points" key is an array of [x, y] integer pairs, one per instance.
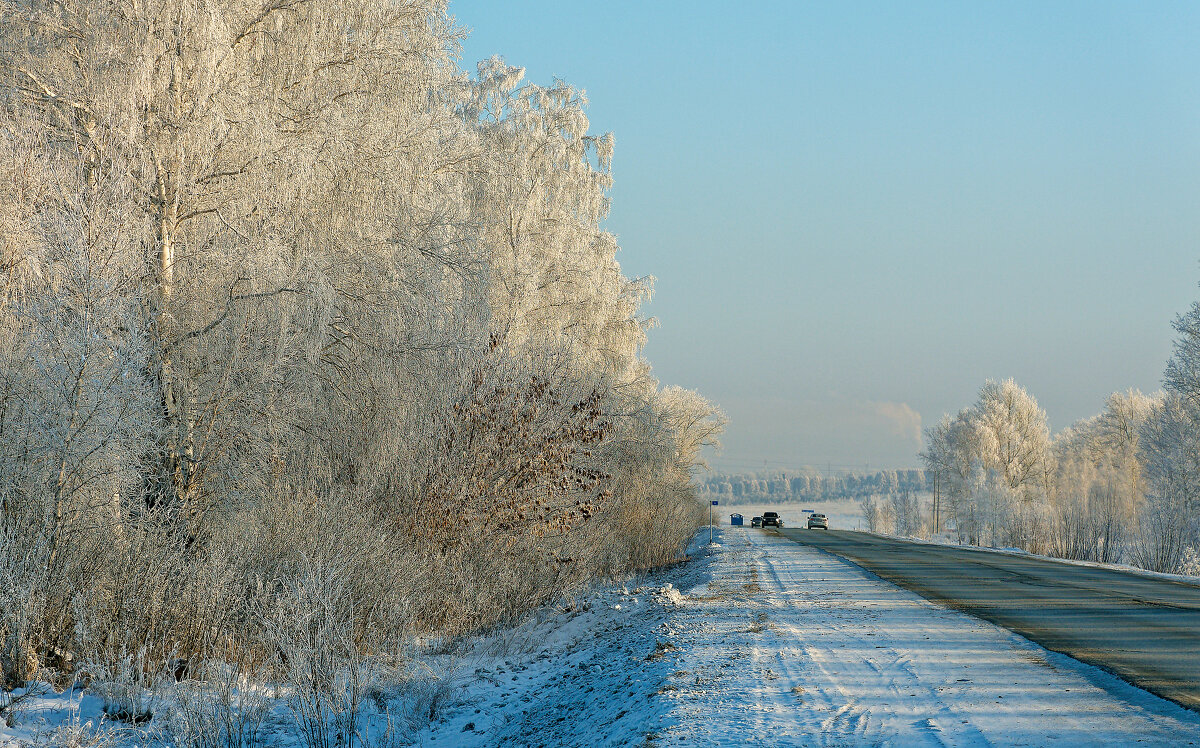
{"points": [[1143, 629]]}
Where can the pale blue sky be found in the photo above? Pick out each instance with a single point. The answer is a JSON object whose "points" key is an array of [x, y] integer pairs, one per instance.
{"points": [[857, 212]]}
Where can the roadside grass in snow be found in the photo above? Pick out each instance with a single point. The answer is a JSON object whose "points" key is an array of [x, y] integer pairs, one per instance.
{"points": [[225, 708], [461, 691], [12, 703]]}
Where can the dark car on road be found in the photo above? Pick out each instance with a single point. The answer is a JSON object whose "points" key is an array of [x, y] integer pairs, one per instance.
{"points": [[772, 519], [818, 521], [756, 522]]}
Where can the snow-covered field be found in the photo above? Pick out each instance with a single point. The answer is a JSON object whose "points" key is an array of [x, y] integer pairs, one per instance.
{"points": [[761, 641]]}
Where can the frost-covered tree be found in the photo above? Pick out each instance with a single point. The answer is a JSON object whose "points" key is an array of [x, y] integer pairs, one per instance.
{"points": [[1169, 451], [289, 298], [992, 461], [73, 389], [1014, 438], [951, 454], [552, 268], [1109, 488], [1098, 486], [252, 138]]}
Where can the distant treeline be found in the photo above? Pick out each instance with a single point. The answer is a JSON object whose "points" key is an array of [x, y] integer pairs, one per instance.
{"points": [[806, 486]]}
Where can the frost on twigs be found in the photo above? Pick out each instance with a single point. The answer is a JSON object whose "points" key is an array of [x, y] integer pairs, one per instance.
{"points": [[130, 686], [223, 708], [312, 347], [1121, 487]]}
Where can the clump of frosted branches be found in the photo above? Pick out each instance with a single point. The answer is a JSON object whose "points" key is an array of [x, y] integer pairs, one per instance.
{"points": [[310, 346]]}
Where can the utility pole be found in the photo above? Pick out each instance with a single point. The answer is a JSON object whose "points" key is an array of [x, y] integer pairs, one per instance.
{"points": [[710, 525], [937, 502]]}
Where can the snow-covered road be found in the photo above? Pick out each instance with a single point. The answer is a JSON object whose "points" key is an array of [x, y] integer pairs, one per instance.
{"points": [[786, 645]]}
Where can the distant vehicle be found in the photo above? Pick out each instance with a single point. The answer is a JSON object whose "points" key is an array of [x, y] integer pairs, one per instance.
{"points": [[818, 521], [771, 519], [756, 521], [808, 511]]}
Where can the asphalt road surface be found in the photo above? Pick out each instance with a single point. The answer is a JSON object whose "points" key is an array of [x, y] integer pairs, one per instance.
{"points": [[1143, 629]]}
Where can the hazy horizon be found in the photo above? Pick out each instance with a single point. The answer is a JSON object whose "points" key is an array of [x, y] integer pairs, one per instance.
{"points": [[857, 214]]}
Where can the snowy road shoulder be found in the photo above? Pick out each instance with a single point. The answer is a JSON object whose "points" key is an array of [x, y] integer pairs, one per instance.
{"points": [[788, 645]]}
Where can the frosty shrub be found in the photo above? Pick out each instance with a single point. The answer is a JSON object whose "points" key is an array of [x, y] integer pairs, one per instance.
{"points": [[86, 735], [13, 702], [906, 509], [318, 653], [416, 700], [130, 686], [879, 514], [1191, 562], [22, 601], [1076, 533], [1163, 536], [222, 709]]}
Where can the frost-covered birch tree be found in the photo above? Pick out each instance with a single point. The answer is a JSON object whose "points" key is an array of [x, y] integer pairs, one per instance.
{"points": [[264, 148], [1098, 484], [553, 269]]}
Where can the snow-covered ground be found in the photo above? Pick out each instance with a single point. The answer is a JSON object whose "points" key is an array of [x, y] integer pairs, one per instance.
{"points": [[768, 642], [788, 645], [761, 641]]}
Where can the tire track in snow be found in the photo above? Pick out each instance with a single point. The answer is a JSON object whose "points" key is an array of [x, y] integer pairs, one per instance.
{"points": [[786, 645], [882, 670], [779, 698]]}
